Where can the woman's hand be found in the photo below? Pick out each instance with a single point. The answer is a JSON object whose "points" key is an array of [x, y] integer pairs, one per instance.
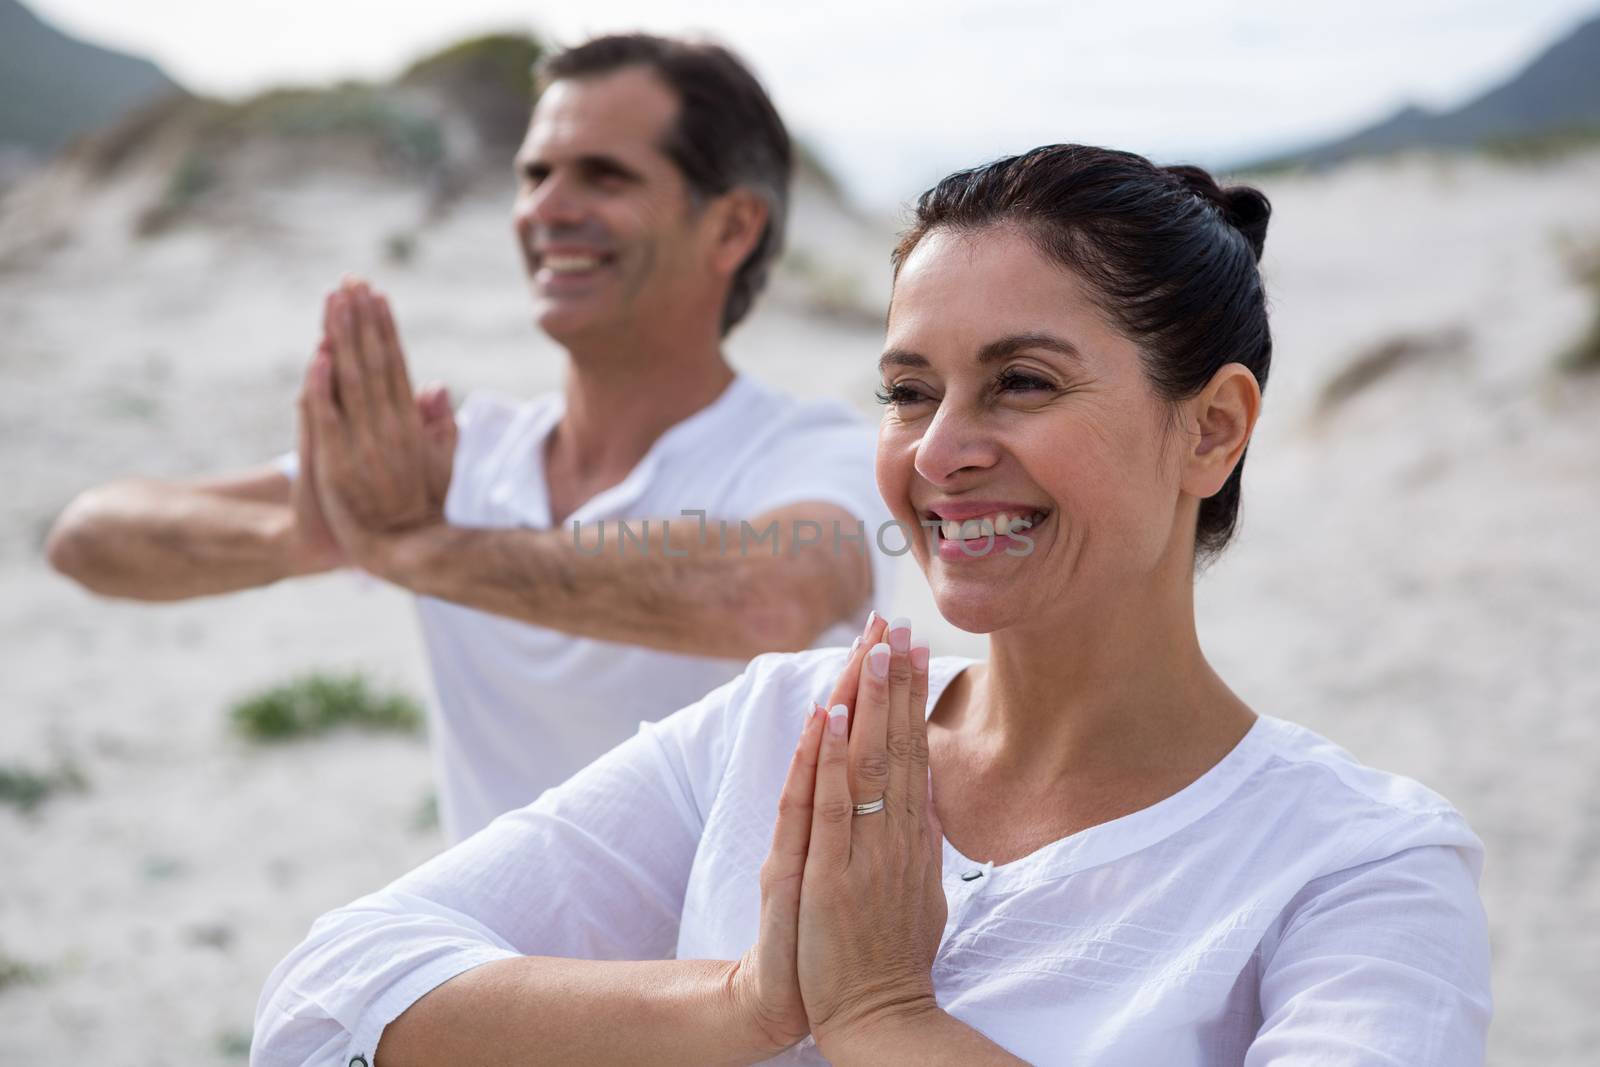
{"points": [[872, 906], [764, 982]]}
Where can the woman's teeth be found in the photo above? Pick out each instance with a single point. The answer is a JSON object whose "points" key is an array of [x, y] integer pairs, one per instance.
{"points": [[987, 526]]}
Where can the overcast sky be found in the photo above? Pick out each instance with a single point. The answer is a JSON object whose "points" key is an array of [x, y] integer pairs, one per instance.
{"points": [[894, 95]]}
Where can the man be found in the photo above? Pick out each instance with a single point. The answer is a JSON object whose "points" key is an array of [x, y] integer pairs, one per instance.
{"points": [[652, 191]]}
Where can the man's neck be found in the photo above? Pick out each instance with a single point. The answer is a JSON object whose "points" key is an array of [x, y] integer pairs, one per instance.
{"points": [[621, 397]]}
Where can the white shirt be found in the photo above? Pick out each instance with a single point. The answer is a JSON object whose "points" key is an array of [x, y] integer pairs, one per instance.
{"points": [[1290, 906], [520, 708]]}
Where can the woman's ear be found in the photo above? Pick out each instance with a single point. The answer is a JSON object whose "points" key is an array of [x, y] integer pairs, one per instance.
{"points": [[739, 218], [1219, 420]]}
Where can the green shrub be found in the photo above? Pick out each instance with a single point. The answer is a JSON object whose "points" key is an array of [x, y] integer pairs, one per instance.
{"points": [[316, 703], [1584, 356], [193, 177], [349, 109], [1543, 147], [234, 1044], [16, 972], [502, 60], [25, 788]]}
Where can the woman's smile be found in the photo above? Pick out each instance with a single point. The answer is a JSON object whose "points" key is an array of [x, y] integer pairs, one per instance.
{"points": [[981, 529]]}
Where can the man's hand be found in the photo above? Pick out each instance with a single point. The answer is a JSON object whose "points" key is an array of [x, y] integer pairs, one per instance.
{"points": [[381, 456], [313, 547]]}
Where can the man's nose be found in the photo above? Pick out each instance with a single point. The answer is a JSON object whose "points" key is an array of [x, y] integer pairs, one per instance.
{"points": [[554, 202]]}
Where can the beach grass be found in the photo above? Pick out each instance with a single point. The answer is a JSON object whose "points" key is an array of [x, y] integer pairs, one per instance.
{"points": [[316, 703], [1583, 357], [25, 788], [15, 972]]}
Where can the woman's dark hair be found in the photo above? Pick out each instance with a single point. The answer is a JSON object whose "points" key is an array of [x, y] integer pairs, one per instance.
{"points": [[728, 134], [1171, 256]]}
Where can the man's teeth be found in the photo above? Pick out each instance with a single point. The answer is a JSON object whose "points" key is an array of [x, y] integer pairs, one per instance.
{"points": [[987, 526], [571, 264]]}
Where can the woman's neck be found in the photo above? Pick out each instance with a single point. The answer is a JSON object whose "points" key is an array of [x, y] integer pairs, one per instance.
{"points": [[1109, 691]]}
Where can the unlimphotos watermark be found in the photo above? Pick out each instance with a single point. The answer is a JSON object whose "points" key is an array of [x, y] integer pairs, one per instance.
{"points": [[976, 538]]}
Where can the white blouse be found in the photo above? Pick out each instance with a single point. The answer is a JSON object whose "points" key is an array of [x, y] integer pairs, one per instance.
{"points": [[1290, 906]]}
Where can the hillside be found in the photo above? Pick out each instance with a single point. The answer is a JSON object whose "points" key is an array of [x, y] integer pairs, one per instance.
{"points": [[1554, 99], [54, 86]]}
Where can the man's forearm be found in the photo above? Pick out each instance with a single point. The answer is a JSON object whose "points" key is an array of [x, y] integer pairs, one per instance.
{"points": [[151, 541], [677, 591], [536, 1010]]}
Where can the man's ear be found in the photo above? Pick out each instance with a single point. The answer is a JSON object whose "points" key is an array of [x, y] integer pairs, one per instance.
{"points": [[738, 219], [1219, 422]]}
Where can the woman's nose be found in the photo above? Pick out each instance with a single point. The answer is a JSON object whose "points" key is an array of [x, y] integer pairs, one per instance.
{"points": [[954, 442]]}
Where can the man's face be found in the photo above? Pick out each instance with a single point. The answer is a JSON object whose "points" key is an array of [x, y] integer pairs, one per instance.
{"points": [[603, 216]]}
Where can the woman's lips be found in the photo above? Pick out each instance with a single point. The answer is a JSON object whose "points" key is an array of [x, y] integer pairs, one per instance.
{"points": [[986, 540]]}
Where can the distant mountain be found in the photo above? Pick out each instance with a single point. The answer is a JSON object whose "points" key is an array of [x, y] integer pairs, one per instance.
{"points": [[54, 87], [1555, 96]]}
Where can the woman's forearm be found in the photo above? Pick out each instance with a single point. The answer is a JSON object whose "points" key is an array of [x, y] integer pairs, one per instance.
{"points": [[538, 1009]]}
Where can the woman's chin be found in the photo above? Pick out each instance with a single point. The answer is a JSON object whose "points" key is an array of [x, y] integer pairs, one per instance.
{"points": [[976, 608]]}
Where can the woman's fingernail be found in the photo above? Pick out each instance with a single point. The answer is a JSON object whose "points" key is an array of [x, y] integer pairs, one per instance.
{"points": [[900, 634], [855, 645], [872, 617], [838, 720], [878, 660], [919, 654]]}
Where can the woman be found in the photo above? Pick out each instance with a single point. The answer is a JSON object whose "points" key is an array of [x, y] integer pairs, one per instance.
{"points": [[1085, 850]]}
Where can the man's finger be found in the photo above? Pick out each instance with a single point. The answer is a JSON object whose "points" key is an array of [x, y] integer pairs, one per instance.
{"points": [[375, 366], [347, 362], [306, 445], [433, 404], [327, 429], [388, 423], [396, 376]]}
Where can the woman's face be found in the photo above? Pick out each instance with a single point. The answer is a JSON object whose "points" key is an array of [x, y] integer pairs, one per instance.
{"points": [[1010, 396]]}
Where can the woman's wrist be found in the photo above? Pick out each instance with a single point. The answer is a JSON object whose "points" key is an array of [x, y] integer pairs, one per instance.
{"points": [[764, 1037], [888, 1035], [920, 1033]]}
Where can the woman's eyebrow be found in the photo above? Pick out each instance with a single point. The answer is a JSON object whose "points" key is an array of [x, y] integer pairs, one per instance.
{"points": [[1017, 342], [991, 352]]}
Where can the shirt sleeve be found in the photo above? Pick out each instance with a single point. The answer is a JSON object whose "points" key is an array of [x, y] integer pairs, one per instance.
{"points": [[595, 868], [1385, 964], [827, 455]]}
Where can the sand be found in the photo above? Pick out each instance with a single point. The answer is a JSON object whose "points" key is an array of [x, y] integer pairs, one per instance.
{"points": [[1415, 576]]}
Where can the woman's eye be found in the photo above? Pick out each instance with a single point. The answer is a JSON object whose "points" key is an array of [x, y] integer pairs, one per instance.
{"points": [[899, 394], [1017, 381]]}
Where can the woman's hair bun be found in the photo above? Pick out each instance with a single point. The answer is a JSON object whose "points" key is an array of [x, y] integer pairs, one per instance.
{"points": [[1243, 207], [1248, 209]]}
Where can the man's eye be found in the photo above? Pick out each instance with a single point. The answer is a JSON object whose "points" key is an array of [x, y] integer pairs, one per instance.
{"points": [[899, 394]]}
